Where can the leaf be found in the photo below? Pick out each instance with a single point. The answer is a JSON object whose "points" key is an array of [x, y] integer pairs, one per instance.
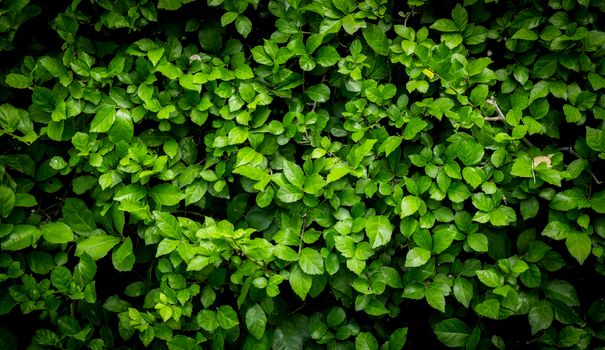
{"points": [[545, 66], [562, 291], [597, 202], [311, 262], [166, 194], [376, 39], [78, 216], [7, 201], [417, 257], [57, 232], [445, 25], [327, 56], [478, 242], [413, 127], [525, 34], [256, 321], [123, 258], [452, 332], [470, 153], [18, 81], [398, 338], [300, 281], [226, 317], [409, 205], [579, 245], [366, 341], [540, 316], [463, 291], [379, 230], [103, 120], [490, 278], [96, 246], [318, 93], [289, 194], [170, 5], [21, 237], [294, 174]]}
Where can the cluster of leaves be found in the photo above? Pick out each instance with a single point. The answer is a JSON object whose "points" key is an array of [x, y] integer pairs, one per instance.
{"points": [[293, 174]]}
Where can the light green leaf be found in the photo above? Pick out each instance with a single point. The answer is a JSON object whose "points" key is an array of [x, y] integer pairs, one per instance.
{"points": [[96, 246], [311, 262], [579, 245], [104, 119], [300, 281], [318, 93], [409, 205], [379, 230], [289, 194], [123, 258], [256, 321], [57, 232], [417, 257], [166, 194]]}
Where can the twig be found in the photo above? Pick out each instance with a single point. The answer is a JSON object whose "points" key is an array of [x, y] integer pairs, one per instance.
{"points": [[502, 117], [302, 234]]}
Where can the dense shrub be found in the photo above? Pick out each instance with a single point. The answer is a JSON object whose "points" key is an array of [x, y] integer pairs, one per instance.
{"points": [[302, 174]]}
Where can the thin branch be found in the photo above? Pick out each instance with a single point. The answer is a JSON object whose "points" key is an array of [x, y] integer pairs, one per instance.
{"points": [[502, 117]]}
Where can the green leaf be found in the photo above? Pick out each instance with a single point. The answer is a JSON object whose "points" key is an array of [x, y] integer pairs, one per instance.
{"points": [[18, 81], [452, 332], [540, 316], [289, 194], [463, 291], [525, 34], [379, 230], [57, 232], [311, 262], [490, 278], [478, 242], [376, 39], [300, 281], [409, 205], [445, 25], [597, 202], [226, 317], [562, 291], [502, 216], [96, 246], [78, 216], [398, 338], [413, 127], [318, 93], [470, 153], [123, 258], [417, 257], [294, 174], [366, 341], [256, 321], [166, 194], [442, 239], [545, 66], [327, 56], [21, 237], [7, 201], [103, 120], [579, 245]]}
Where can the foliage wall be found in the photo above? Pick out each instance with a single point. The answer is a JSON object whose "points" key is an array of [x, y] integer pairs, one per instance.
{"points": [[302, 174]]}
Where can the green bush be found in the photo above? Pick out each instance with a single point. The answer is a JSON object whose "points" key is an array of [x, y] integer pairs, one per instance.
{"points": [[302, 174]]}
